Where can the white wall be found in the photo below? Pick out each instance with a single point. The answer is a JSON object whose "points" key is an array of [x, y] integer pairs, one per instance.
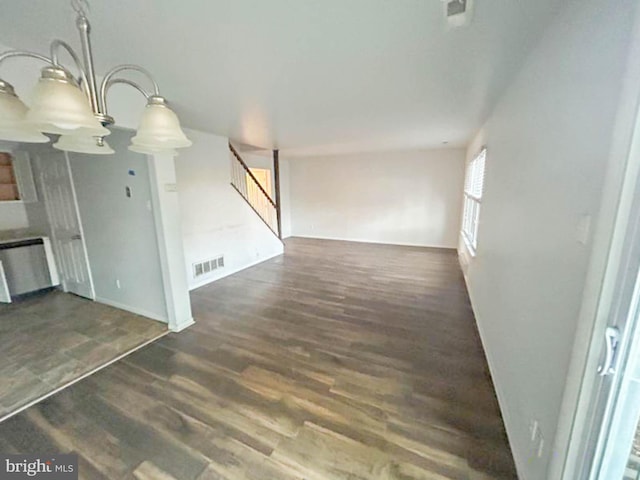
{"points": [[13, 215], [166, 212], [407, 198], [120, 232], [547, 142], [215, 218]]}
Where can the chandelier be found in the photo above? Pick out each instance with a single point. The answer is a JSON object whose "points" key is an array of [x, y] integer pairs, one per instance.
{"points": [[74, 108]]}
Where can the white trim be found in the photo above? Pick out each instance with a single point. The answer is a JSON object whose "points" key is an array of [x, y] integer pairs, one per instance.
{"points": [[24, 177], [128, 308], [467, 243], [5, 296], [499, 392], [207, 281], [376, 242], [80, 227], [166, 214], [156, 206], [83, 376], [179, 328], [51, 262]]}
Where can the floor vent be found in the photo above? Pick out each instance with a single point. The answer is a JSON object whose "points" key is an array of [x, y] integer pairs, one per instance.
{"points": [[205, 267]]}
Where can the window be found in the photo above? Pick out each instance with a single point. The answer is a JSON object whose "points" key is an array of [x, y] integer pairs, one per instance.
{"points": [[8, 183], [473, 186]]}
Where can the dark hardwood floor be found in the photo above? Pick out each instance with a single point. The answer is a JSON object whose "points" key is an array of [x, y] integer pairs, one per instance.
{"points": [[335, 361]]}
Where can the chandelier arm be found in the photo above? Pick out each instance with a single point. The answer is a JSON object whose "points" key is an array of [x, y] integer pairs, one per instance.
{"points": [[131, 83], [55, 46], [23, 53], [125, 81], [107, 78]]}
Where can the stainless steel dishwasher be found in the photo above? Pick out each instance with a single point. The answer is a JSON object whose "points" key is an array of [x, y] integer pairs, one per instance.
{"points": [[25, 266]]}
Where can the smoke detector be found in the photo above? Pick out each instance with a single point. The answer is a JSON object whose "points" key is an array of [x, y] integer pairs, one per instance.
{"points": [[458, 12]]}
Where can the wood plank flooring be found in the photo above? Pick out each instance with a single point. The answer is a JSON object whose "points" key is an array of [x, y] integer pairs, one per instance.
{"points": [[336, 361], [51, 339]]}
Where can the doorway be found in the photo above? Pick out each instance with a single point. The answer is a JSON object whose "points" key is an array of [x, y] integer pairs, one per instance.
{"points": [[604, 427], [67, 236]]}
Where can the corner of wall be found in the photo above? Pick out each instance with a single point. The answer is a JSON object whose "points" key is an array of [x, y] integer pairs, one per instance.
{"points": [[465, 261]]}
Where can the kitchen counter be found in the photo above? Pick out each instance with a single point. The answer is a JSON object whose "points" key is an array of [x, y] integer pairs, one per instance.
{"points": [[9, 236]]}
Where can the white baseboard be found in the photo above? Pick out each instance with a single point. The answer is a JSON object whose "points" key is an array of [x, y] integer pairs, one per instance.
{"points": [[375, 242], [506, 417], [182, 326], [128, 308], [232, 271]]}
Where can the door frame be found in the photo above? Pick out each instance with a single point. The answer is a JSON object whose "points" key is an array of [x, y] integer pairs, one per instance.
{"points": [[603, 396], [605, 271], [76, 208]]}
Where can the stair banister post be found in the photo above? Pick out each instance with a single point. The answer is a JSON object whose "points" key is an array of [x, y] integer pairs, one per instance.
{"points": [[276, 173]]}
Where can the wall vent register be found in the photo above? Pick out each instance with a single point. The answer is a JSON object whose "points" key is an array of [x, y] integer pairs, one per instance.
{"points": [[206, 267], [458, 12]]}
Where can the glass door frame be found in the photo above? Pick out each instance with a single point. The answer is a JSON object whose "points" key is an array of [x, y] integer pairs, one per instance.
{"points": [[597, 414]]}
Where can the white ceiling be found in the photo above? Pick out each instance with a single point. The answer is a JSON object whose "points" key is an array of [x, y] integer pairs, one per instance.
{"points": [[306, 76]]}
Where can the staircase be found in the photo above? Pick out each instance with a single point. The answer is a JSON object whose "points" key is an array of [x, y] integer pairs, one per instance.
{"points": [[249, 188]]}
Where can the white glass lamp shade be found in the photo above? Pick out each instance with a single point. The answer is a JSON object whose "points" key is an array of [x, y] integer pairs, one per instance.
{"points": [[83, 144], [60, 107], [159, 129], [12, 118]]}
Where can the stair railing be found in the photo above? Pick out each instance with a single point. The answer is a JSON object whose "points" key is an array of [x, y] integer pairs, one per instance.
{"points": [[249, 188]]}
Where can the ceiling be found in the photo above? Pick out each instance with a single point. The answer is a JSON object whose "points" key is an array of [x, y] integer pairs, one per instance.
{"points": [[306, 76]]}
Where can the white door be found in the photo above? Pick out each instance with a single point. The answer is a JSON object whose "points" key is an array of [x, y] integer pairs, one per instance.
{"points": [[64, 220]]}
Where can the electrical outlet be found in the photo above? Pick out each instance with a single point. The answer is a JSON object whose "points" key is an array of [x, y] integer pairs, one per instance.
{"points": [[118, 283]]}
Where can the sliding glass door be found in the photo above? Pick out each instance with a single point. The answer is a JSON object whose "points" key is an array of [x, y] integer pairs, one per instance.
{"points": [[609, 435]]}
